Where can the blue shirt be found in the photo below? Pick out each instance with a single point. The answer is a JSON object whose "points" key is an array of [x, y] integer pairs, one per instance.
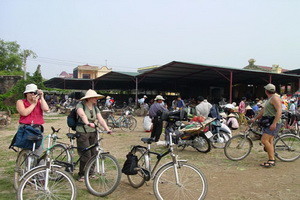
{"points": [[154, 108]]}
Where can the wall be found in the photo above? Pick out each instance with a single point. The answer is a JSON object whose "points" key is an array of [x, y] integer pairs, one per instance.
{"points": [[7, 82]]}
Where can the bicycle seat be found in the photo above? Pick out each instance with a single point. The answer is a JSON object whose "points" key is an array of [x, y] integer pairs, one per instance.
{"points": [[35, 137], [147, 140], [71, 135]]}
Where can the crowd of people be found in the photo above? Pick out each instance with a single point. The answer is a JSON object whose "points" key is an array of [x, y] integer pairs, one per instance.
{"points": [[33, 105]]}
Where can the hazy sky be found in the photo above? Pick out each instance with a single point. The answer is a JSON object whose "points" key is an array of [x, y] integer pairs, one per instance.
{"points": [[138, 33]]}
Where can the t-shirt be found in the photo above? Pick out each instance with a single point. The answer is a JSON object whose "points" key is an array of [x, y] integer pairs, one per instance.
{"points": [[91, 115]]}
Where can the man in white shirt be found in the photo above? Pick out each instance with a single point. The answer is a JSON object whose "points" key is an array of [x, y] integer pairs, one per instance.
{"points": [[203, 108]]}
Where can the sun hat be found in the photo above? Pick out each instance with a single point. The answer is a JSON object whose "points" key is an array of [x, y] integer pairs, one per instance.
{"points": [[91, 94], [223, 114], [30, 88], [231, 115], [248, 108], [159, 97], [270, 87], [108, 97], [145, 96]]}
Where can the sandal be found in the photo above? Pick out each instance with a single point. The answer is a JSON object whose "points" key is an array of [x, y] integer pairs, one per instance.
{"points": [[268, 164], [80, 179]]}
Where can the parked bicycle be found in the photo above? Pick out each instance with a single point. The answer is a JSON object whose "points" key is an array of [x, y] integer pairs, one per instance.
{"points": [[286, 147], [102, 171], [174, 180], [46, 181], [126, 121], [28, 160]]}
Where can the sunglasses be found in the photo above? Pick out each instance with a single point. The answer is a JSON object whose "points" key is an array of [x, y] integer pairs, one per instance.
{"points": [[92, 114], [35, 93]]}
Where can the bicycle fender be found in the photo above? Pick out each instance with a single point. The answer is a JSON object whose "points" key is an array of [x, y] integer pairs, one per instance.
{"points": [[37, 167], [184, 161]]}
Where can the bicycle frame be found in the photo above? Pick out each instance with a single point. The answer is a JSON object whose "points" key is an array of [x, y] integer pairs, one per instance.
{"points": [[71, 166], [159, 156]]}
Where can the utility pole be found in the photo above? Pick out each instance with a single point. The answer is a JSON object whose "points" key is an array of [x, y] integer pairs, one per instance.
{"points": [[24, 66]]}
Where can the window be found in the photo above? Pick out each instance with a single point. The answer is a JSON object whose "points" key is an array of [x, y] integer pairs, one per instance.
{"points": [[86, 76]]}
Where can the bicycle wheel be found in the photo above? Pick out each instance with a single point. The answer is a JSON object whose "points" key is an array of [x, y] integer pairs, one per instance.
{"points": [[37, 185], [138, 180], [21, 167], [60, 155], [133, 123], [238, 147], [110, 123], [219, 142], [287, 147], [191, 184], [128, 124], [102, 175], [201, 144]]}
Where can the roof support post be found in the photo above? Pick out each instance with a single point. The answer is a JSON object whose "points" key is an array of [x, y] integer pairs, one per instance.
{"points": [[298, 84], [93, 85], [270, 78], [64, 83], [230, 88], [136, 91]]}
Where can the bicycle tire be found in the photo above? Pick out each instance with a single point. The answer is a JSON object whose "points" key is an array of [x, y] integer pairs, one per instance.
{"points": [[110, 123], [287, 147], [192, 182], [138, 180], [133, 123], [59, 154], [102, 183], [128, 124], [238, 147], [33, 185], [21, 167], [202, 144], [220, 145]]}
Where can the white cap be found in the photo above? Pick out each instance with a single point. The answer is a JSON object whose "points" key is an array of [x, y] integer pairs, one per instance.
{"points": [[30, 88]]}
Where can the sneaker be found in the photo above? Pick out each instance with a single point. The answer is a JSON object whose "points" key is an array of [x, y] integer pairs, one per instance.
{"points": [[160, 142]]}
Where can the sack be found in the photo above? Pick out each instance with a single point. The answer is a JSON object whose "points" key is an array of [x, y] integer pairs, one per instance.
{"points": [[130, 164], [23, 134], [266, 121]]}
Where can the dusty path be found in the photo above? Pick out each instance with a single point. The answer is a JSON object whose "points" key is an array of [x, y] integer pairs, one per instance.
{"points": [[226, 179]]}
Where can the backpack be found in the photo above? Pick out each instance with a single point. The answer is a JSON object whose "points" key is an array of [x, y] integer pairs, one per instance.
{"points": [[130, 164], [72, 119]]}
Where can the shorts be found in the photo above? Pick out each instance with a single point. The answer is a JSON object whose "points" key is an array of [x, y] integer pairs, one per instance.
{"points": [[273, 133]]}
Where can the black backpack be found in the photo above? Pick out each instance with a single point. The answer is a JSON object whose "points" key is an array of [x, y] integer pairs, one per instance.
{"points": [[72, 119], [130, 164]]}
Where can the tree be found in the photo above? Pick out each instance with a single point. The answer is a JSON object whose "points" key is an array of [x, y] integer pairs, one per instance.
{"points": [[10, 58]]}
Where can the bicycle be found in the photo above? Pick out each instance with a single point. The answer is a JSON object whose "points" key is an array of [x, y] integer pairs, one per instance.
{"points": [[102, 171], [286, 147], [126, 121], [46, 181], [174, 180], [27, 159]]}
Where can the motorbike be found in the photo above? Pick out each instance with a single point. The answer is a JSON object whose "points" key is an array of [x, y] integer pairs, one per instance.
{"points": [[200, 136]]}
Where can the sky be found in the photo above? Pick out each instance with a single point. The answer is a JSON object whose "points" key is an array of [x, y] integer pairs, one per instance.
{"points": [[128, 34]]}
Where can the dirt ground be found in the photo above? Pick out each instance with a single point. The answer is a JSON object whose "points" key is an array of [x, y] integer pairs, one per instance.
{"points": [[226, 179]]}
